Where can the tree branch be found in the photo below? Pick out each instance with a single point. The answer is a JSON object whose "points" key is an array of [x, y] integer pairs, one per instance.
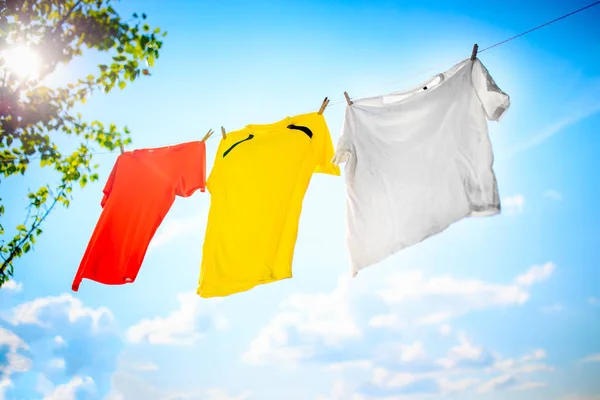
{"points": [[34, 226], [67, 15]]}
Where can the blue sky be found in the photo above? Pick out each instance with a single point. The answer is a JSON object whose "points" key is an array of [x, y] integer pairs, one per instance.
{"points": [[492, 308]]}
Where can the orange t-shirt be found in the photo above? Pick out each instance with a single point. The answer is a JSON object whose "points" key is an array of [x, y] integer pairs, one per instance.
{"points": [[138, 194]]}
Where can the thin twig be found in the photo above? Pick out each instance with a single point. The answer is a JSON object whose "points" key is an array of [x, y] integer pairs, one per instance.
{"points": [[29, 233]]}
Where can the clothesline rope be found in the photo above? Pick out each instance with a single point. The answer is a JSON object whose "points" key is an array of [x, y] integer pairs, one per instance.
{"points": [[385, 85]]}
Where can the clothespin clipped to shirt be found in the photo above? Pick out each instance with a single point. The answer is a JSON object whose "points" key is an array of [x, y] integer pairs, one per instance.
{"points": [[323, 106], [121, 147], [348, 99], [223, 133], [474, 53], [208, 134]]}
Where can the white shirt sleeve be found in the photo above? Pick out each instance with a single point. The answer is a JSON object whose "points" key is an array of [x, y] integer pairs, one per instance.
{"points": [[344, 148], [494, 101]]}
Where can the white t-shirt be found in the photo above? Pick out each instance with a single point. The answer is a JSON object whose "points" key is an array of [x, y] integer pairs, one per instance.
{"points": [[419, 160]]}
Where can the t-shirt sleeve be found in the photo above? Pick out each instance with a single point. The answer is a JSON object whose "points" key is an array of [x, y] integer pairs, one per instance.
{"points": [[108, 186], [325, 163], [343, 151], [494, 101], [193, 169]]}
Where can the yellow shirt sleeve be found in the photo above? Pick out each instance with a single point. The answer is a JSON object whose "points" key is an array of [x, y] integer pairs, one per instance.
{"points": [[325, 163]]}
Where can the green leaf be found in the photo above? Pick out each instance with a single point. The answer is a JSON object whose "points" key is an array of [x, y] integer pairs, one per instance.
{"points": [[21, 228], [26, 247], [122, 85]]}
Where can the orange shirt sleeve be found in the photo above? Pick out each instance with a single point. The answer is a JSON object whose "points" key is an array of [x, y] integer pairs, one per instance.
{"points": [[109, 183], [192, 175]]}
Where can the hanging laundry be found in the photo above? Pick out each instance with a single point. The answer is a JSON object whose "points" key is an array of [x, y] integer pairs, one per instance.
{"points": [[257, 187], [419, 160], [138, 194]]}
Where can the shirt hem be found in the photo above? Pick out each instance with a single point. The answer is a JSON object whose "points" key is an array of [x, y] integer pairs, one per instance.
{"points": [[111, 282], [486, 211], [208, 293]]}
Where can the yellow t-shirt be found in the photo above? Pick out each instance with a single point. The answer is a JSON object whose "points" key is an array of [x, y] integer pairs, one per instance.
{"points": [[257, 186]]}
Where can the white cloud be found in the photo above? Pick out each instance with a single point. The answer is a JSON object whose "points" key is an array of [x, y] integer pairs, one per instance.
{"points": [[450, 387], [594, 301], [5, 383], [554, 308], [465, 354], [139, 366], [59, 341], [384, 321], [68, 337], [581, 397], [341, 390], [424, 299], [69, 390], [321, 328], [521, 366], [435, 318], [531, 368], [592, 358], [553, 194], [412, 352], [179, 327], [414, 285], [497, 383], [13, 362], [528, 386], [11, 340], [171, 228], [58, 363], [538, 354], [126, 386], [445, 330], [219, 394], [29, 313], [344, 365], [536, 273], [44, 385], [513, 205], [315, 319], [466, 367], [12, 285], [16, 363]]}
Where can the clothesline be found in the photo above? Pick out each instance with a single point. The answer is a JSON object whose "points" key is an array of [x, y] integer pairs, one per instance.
{"points": [[385, 85]]}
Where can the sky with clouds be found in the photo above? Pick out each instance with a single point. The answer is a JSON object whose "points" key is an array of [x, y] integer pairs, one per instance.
{"points": [[492, 308]]}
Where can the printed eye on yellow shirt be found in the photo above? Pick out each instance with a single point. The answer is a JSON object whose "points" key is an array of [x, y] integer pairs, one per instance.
{"points": [[257, 186]]}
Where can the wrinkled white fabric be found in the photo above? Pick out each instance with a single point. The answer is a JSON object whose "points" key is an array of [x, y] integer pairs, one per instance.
{"points": [[419, 160]]}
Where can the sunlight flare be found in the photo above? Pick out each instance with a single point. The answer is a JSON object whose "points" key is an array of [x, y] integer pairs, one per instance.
{"points": [[23, 61]]}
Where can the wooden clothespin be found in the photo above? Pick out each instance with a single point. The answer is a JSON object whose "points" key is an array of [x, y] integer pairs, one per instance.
{"points": [[223, 133], [323, 106], [208, 134], [474, 53], [348, 99], [121, 147]]}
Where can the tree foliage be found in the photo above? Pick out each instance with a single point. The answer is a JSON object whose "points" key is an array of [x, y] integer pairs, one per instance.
{"points": [[34, 117]]}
